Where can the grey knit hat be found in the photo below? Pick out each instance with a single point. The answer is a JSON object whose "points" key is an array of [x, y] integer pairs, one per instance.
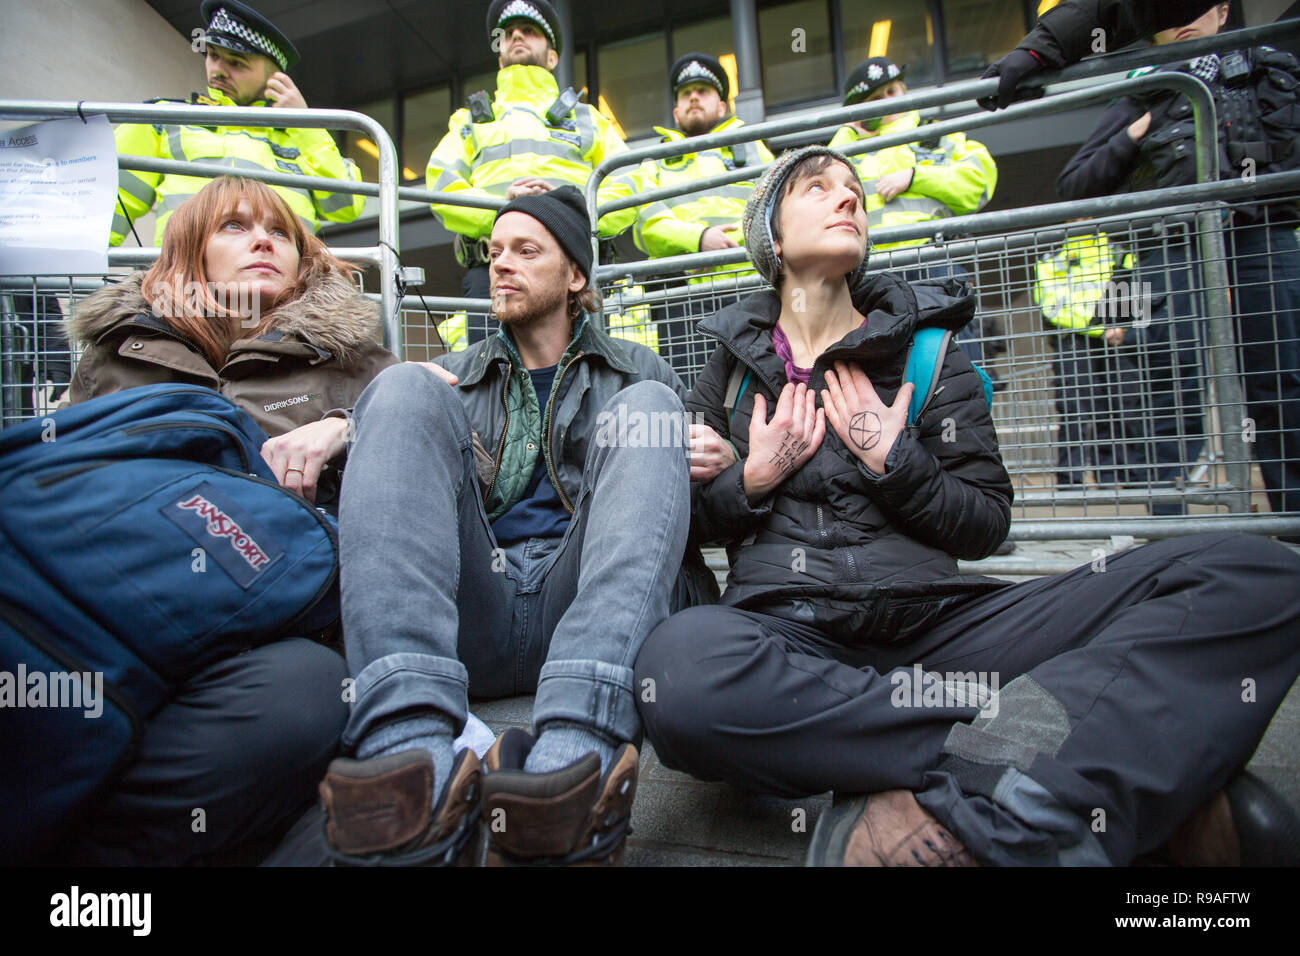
{"points": [[757, 222]]}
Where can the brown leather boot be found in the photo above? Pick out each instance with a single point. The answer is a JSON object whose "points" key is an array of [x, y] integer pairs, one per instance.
{"points": [[884, 829], [378, 812], [1245, 824], [570, 817]]}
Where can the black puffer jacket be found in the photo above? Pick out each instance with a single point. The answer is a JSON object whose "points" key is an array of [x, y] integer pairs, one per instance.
{"points": [[868, 559], [1260, 121]]}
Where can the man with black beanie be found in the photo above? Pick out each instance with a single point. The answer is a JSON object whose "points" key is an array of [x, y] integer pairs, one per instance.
{"points": [[514, 521]]}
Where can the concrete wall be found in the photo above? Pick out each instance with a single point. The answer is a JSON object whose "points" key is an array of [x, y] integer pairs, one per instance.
{"points": [[107, 50], [117, 50]]}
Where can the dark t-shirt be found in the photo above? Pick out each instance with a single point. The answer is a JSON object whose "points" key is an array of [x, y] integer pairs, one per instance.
{"points": [[539, 513]]}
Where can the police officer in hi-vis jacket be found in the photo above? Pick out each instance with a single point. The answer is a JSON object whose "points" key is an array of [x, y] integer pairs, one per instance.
{"points": [[246, 59]]}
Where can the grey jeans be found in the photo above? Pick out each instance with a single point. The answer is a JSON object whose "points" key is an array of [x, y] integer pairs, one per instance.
{"points": [[434, 610]]}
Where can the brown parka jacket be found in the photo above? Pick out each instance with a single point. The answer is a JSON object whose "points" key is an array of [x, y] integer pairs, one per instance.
{"points": [[316, 359]]}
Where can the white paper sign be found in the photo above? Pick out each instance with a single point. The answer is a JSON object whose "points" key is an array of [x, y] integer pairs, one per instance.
{"points": [[58, 187]]}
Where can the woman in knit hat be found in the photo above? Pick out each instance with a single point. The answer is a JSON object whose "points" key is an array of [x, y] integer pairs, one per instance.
{"points": [[844, 522]]}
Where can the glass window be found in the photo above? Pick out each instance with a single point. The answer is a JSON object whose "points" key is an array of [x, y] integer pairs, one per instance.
{"points": [[579, 69], [633, 78], [795, 39], [713, 37], [898, 29], [977, 33], [358, 147], [478, 81], [424, 123]]}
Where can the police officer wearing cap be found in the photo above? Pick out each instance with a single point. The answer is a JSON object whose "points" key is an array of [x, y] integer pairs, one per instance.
{"points": [[528, 139], [246, 59], [701, 221], [914, 182]]}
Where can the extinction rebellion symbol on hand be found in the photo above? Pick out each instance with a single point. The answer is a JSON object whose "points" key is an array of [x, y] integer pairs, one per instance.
{"points": [[864, 429]]}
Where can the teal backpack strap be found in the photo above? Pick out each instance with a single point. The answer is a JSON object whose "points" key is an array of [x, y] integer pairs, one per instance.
{"points": [[740, 376], [988, 386], [924, 363]]}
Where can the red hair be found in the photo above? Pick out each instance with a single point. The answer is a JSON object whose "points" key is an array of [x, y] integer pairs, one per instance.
{"points": [[198, 316]]}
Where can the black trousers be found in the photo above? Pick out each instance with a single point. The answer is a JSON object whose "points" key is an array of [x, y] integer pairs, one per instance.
{"points": [[1265, 271], [1075, 403], [477, 284], [246, 742], [1128, 692], [1098, 396]]}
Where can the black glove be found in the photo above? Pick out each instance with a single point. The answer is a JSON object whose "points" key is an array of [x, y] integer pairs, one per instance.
{"points": [[1010, 70]]}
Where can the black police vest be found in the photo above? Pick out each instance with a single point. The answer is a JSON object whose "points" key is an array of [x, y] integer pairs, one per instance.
{"points": [[1256, 103]]}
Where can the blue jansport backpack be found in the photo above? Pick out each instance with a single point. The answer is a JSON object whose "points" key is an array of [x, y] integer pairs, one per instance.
{"points": [[924, 364], [142, 539]]}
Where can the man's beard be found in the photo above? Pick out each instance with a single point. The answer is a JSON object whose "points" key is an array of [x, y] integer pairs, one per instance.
{"points": [[522, 311], [527, 59], [698, 126]]}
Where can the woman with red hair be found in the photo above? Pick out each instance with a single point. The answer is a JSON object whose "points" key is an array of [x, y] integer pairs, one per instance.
{"points": [[245, 300]]}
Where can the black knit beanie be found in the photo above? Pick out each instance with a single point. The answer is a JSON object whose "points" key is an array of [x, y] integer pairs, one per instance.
{"points": [[563, 212]]}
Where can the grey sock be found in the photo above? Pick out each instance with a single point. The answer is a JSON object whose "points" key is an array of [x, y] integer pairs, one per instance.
{"points": [[432, 731], [561, 743]]}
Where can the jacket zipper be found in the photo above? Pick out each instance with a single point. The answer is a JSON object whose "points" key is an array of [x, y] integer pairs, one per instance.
{"points": [[501, 445], [546, 434], [166, 426], [46, 481]]}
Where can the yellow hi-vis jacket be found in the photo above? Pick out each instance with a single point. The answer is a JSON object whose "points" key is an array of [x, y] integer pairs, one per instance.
{"points": [[482, 159], [1069, 284], [955, 176], [300, 152], [673, 227], [635, 323]]}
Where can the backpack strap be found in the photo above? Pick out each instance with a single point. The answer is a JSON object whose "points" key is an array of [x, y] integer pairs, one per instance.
{"points": [[925, 356], [924, 363], [736, 384]]}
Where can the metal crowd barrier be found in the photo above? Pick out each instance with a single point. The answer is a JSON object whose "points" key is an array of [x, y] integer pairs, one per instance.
{"points": [[32, 347], [1177, 424], [1154, 424], [1181, 374]]}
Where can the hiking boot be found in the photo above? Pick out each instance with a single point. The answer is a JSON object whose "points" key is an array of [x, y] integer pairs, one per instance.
{"points": [[569, 817], [377, 812], [1245, 824], [884, 829]]}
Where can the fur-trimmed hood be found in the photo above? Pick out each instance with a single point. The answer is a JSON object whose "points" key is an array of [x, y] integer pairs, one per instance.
{"points": [[331, 315]]}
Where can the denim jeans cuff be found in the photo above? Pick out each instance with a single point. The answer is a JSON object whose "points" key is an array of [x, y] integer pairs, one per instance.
{"points": [[404, 682], [592, 693]]}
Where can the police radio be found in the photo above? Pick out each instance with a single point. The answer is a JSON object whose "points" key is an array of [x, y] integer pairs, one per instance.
{"points": [[1234, 68], [562, 107], [480, 107]]}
